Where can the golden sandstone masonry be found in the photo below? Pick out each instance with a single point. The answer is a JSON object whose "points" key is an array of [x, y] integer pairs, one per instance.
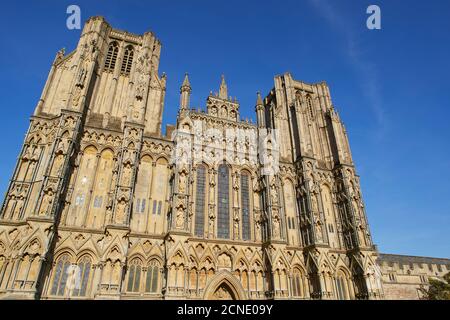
{"points": [[101, 205]]}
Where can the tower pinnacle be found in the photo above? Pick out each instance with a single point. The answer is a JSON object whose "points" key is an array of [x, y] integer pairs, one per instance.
{"points": [[223, 91], [185, 92], [259, 101]]}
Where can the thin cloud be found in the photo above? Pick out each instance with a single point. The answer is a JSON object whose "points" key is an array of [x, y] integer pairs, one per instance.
{"points": [[366, 70]]}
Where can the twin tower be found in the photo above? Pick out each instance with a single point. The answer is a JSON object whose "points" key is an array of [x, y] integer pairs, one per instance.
{"points": [[101, 205]]}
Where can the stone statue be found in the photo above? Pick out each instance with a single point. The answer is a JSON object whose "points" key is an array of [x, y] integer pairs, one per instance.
{"points": [[57, 165], [76, 96], [120, 213], [18, 208], [179, 223], [273, 195], [126, 175], [182, 182], [276, 228], [318, 229], [30, 170], [46, 203]]}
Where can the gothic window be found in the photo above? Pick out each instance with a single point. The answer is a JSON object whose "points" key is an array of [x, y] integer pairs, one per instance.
{"points": [[142, 206], [341, 287], [134, 275], [159, 207], [111, 56], [138, 205], [98, 201], [391, 277], [223, 216], [151, 283], [127, 60], [79, 200], [83, 270], [200, 202], [60, 275], [245, 206], [2, 266], [297, 284], [309, 105], [154, 206]]}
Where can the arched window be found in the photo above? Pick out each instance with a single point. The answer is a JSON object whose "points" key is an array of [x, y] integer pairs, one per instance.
{"points": [[341, 287], [151, 283], [2, 266], [60, 276], [310, 107], [111, 56], [245, 199], [200, 201], [134, 275], [223, 216], [83, 270], [297, 284], [127, 60]]}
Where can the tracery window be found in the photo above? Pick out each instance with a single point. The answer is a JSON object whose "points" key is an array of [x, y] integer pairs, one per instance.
{"points": [[140, 205], [82, 277], [134, 275], [152, 278], [245, 206], [297, 283], [127, 60], [341, 287], [98, 201], [223, 216], [159, 207], [200, 202], [60, 276], [111, 56], [154, 206]]}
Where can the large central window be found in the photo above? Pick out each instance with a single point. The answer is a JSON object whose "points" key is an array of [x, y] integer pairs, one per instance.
{"points": [[223, 216]]}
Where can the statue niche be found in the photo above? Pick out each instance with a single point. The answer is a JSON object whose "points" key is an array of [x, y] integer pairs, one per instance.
{"points": [[46, 203]]}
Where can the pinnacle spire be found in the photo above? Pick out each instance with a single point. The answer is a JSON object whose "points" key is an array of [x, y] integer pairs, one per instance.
{"points": [[186, 86], [223, 91], [186, 82], [259, 101]]}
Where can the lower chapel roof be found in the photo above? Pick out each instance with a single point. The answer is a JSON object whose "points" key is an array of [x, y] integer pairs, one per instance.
{"points": [[390, 258]]}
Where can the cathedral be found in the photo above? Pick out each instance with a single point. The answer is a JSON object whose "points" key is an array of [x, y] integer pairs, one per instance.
{"points": [[103, 205]]}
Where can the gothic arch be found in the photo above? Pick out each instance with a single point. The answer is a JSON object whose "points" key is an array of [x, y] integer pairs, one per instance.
{"points": [[227, 280]]}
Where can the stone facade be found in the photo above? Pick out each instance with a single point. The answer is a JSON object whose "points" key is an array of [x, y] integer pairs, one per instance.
{"points": [[101, 205], [403, 276]]}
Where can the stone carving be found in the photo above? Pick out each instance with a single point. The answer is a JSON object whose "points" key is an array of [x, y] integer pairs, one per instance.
{"points": [[18, 208], [121, 211], [182, 182], [76, 97], [179, 219], [222, 293], [126, 175], [57, 165], [46, 203]]}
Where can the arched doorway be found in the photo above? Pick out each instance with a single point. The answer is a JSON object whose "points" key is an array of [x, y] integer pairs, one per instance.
{"points": [[224, 286]]}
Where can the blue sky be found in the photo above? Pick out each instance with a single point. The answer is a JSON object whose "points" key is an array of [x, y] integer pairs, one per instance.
{"points": [[391, 86]]}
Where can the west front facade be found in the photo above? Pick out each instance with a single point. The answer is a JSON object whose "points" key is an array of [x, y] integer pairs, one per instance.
{"points": [[102, 205]]}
